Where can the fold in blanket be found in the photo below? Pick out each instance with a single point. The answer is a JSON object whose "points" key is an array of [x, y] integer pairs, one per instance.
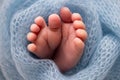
{"points": [[100, 61]]}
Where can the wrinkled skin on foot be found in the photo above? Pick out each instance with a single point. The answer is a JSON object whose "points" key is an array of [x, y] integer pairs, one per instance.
{"points": [[66, 33]]}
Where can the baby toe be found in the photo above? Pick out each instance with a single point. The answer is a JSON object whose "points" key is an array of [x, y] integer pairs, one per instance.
{"points": [[79, 25], [76, 16], [35, 28], [79, 44], [40, 21], [31, 36], [32, 47], [82, 34]]}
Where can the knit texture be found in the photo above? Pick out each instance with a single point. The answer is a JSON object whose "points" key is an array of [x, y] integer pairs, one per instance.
{"points": [[101, 57]]}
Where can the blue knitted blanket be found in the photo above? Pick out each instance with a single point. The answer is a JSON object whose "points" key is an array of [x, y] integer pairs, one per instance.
{"points": [[101, 58]]}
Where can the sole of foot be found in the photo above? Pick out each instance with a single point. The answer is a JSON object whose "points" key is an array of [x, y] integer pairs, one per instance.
{"points": [[73, 37], [44, 39]]}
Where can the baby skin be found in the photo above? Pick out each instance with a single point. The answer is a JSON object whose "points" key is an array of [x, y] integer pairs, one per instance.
{"points": [[62, 40]]}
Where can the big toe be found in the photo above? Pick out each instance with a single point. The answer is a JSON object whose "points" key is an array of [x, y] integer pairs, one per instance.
{"points": [[54, 31], [54, 21], [66, 15]]}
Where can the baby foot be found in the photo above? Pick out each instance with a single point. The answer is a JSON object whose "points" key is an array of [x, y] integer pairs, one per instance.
{"points": [[73, 37], [45, 39]]}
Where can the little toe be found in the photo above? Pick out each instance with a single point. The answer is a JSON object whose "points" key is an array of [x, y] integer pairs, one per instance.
{"points": [[79, 25], [40, 21], [31, 36], [79, 45], [32, 47], [76, 16], [54, 21], [66, 14], [82, 34], [35, 28]]}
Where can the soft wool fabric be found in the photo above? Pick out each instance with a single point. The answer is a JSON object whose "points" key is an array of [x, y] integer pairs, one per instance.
{"points": [[101, 58]]}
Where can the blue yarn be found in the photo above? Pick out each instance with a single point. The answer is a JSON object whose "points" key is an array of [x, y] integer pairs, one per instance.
{"points": [[101, 58]]}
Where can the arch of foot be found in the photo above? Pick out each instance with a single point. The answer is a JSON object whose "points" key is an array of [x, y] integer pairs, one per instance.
{"points": [[93, 64]]}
